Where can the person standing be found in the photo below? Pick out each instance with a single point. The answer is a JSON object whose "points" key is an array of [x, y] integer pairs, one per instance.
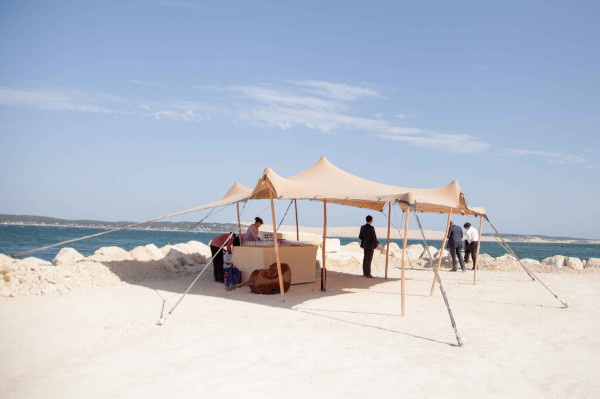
{"points": [[216, 249], [252, 231], [467, 252], [368, 242], [454, 245], [473, 239]]}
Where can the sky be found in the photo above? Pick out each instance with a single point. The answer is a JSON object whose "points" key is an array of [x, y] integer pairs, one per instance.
{"points": [[133, 109]]}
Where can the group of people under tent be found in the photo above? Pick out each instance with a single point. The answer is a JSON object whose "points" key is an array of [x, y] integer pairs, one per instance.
{"points": [[369, 242], [221, 245]]}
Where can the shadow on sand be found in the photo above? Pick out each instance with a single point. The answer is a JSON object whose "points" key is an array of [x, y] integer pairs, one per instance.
{"points": [[170, 291]]}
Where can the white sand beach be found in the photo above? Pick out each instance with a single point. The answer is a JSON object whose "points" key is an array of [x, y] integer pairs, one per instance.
{"points": [[350, 341]]}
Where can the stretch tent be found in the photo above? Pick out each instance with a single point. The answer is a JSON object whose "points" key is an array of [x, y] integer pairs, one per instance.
{"points": [[326, 183]]}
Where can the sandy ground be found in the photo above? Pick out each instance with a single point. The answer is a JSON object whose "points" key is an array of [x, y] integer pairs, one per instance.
{"points": [[348, 342]]}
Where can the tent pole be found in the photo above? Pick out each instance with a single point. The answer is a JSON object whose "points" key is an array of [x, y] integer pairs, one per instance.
{"points": [[297, 229], [441, 249], [477, 253], [387, 248], [276, 243], [239, 224], [404, 260], [324, 268]]}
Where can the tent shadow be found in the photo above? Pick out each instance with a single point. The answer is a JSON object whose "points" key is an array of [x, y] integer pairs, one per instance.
{"points": [[170, 291]]}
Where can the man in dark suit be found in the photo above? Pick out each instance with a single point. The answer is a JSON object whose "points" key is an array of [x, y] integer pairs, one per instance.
{"points": [[368, 242], [454, 245]]}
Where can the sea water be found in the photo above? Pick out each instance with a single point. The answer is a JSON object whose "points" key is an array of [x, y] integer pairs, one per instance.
{"points": [[14, 239]]}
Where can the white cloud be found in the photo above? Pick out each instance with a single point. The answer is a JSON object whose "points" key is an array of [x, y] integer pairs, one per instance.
{"points": [[454, 143], [337, 91], [183, 111], [281, 97], [551, 157], [53, 100], [148, 84], [285, 108], [401, 116]]}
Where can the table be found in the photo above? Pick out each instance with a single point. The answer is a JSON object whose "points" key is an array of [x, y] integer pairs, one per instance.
{"points": [[301, 259]]}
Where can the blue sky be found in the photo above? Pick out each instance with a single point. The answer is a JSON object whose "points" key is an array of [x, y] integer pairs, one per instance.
{"points": [[127, 110]]}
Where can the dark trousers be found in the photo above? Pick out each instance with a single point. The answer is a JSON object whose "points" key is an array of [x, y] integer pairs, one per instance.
{"points": [[217, 263], [454, 253], [367, 259], [471, 249]]}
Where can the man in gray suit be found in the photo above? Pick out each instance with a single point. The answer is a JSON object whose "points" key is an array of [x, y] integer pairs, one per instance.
{"points": [[454, 245]]}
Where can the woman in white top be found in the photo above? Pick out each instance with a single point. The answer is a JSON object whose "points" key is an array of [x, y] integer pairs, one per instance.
{"points": [[252, 231]]}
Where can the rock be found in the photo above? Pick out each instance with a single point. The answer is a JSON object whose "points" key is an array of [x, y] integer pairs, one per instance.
{"points": [[593, 262], [506, 258], [34, 262], [141, 254], [109, 254], [353, 244], [413, 252], [343, 261], [183, 248], [485, 260], [427, 252], [574, 263], [7, 264], [530, 262], [395, 250], [155, 252], [443, 253], [200, 248], [166, 249], [67, 256], [332, 245], [554, 261]]}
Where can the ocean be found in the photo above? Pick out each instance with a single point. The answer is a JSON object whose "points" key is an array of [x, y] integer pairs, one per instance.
{"points": [[14, 239]]}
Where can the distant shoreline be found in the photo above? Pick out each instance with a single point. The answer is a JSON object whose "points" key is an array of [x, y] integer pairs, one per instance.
{"points": [[342, 232]]}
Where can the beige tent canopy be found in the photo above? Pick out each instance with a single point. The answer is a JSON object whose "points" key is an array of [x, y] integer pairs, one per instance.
{"points": [[325, 182]]}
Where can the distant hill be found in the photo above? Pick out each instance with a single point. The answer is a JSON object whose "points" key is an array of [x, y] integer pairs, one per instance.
{"points": [[49, 221]]}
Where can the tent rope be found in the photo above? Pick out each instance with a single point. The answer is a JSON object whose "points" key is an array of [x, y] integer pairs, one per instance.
{"points": [[459, 339], [163, 319], [286, 212], [400, 232], [533, 276], [201, 220]]}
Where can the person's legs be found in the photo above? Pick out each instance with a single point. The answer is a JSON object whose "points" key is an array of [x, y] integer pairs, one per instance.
{"points": [[473, 251], [453, 252], [217, 263], [467, 251], [460, 259], [367, 259]]}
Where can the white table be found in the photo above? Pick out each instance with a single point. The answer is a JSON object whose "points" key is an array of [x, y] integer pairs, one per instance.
{"points": [[301, 259]]}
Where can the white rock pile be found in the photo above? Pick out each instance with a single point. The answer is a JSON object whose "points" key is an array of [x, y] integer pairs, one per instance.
{"points": [[72, 272]]}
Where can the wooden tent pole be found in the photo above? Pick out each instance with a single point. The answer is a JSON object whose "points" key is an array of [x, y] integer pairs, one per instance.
{"points": [[324, 268], [441, 249], [477, 253], [239, 224], [387, 248], [404, 260], [297, 229], [276, 242]]}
